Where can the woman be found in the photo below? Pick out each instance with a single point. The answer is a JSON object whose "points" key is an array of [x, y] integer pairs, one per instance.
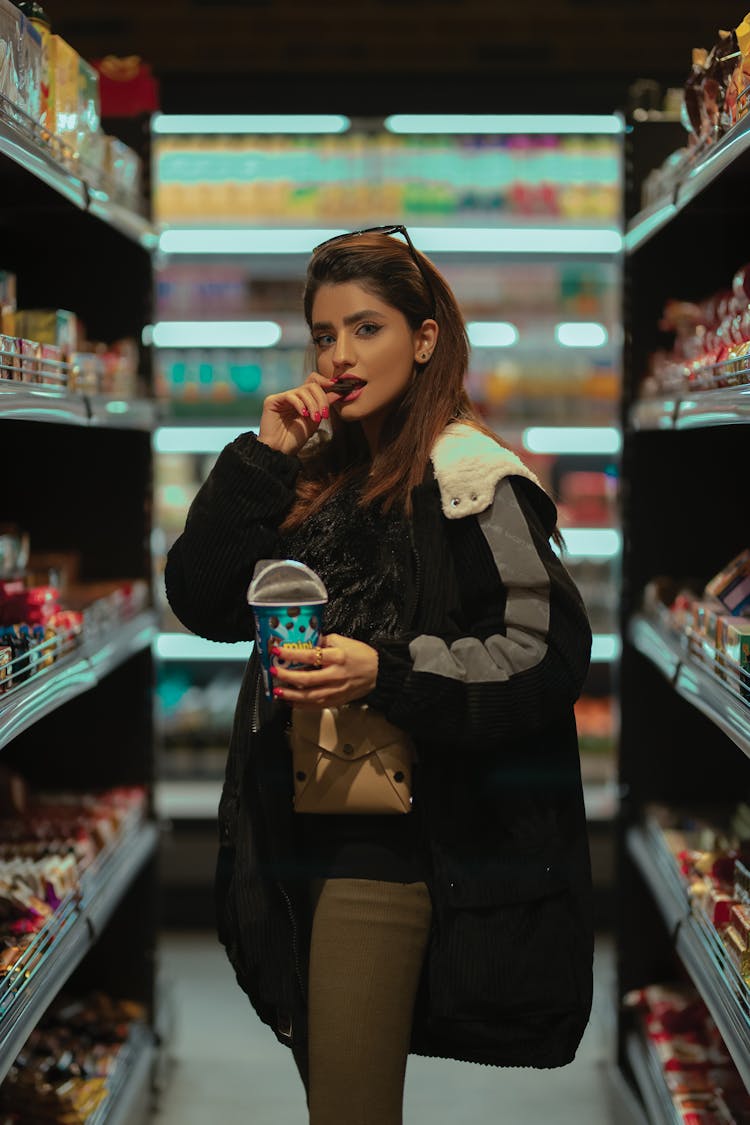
{"points": [[462, 929]]}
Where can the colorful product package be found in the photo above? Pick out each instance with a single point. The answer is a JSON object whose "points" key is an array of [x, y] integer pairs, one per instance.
{"points": [[28, 358], [64, 80], [741, 77], [732, 584], [50, 326], [10, 31], [89, 116], [9, 362], [30, 70], [736, 645], [8, 303]]}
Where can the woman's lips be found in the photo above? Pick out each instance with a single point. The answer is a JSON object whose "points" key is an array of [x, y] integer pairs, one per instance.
{"points": [[348, 389]]}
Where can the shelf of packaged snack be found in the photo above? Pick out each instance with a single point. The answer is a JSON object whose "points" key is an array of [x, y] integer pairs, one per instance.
{"points": [[72, 674], [130, 1086], [30, 985], [724, 406], [26, 402], [705, 167], [653, 1089], [49, 160], [698, 945], [691, 677]]}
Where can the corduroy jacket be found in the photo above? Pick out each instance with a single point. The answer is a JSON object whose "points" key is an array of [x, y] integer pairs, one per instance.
{"points": [[493, 653]]}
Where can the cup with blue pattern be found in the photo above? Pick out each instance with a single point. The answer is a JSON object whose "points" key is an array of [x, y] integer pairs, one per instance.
{"points": [[288, 600]]}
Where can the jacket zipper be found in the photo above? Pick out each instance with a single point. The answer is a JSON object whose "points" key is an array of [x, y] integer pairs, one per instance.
{"points": [[417, 572], [255, 722], [295, 944]]}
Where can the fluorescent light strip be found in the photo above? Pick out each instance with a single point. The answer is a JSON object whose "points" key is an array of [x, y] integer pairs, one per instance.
{"points": [[215, 334], [186, 646], [492, 334], [605, 647], [197, 439], [572, 439], [164, 123], [581, 334], [492, 240], [497, 124], [592, 542]]}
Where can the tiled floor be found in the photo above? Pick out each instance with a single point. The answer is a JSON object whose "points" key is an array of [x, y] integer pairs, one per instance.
{"points": [[230, 1069]]}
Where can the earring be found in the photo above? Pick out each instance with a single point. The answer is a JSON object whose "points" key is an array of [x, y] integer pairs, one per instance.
{"points": [[424, 356]]}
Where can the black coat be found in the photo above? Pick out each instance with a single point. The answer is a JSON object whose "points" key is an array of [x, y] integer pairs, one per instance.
{"points": [[494, 652]]}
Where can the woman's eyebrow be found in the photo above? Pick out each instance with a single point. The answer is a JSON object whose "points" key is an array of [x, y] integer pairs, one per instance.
{"points": [[365, 314]]}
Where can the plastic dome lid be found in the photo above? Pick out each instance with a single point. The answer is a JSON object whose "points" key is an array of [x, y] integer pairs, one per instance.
{"points": [[285, 582]]}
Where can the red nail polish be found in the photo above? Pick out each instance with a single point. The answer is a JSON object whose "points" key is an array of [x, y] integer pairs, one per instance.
{"points": [[316, 416], [305, 412], [276, 651], [274, 671], [326, 412], [278, 693]]}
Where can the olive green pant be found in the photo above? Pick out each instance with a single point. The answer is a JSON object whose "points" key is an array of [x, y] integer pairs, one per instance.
{"points": [[366, 954]]}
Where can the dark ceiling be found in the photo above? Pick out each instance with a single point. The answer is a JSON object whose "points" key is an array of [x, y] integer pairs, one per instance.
{"points": [[363, 57]]}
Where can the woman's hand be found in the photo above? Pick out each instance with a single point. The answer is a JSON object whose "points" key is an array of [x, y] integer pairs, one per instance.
{"points": [[340, 671], [290, 418]]}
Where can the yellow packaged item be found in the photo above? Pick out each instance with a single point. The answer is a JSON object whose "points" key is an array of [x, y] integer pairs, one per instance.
{"points": [[64, 61]]}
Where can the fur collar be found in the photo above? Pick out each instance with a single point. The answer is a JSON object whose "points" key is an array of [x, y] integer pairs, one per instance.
{"points": [[468, 466]]}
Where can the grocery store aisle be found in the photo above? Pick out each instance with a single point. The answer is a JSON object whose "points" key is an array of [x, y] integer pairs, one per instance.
{"points": [[229, 1068]]}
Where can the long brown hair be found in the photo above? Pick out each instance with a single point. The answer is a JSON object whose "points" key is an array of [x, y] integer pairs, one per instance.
{"points": [[434, 397]]}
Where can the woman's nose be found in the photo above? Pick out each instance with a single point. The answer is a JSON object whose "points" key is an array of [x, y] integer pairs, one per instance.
{"points": [[342, 353]]}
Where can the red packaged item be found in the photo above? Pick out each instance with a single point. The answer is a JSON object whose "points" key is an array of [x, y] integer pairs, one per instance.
{"points": [[35, 605], [126, 86], [68, 624], [740, 920], [717, 903]]}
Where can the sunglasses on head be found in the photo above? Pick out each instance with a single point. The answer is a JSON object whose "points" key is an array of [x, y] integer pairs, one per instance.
{"points": [[394, 228]]}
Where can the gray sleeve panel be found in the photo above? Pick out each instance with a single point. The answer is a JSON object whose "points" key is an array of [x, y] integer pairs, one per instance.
{"points": [[527, 611]]}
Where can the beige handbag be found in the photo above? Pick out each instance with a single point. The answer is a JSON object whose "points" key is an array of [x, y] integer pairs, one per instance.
{"points": [[350, 760]]}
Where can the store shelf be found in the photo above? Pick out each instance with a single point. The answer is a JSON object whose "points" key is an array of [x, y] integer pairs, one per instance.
{"points": [[38, 159], [49, 161], [102, 890], [690, 680], [131, 1087], [28, 403], [122, 414], [538, 240], [24, 402], [187, 800], [698, 946], [718, 159], [723, 407], [72, 675], [188, 646], [647, 1072]]}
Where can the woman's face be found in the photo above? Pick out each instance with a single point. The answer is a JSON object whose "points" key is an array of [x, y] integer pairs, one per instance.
{"points": [[358, 335]]}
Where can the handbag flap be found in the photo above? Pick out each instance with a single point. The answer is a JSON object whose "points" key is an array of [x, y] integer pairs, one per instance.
{"points": [[347, 732]]}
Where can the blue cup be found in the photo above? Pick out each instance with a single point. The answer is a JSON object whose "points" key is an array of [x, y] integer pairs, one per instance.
{"points": [[288, 600]]}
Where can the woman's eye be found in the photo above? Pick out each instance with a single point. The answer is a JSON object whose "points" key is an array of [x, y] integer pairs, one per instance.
{"points": [[324, 341], [368, 329]]}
